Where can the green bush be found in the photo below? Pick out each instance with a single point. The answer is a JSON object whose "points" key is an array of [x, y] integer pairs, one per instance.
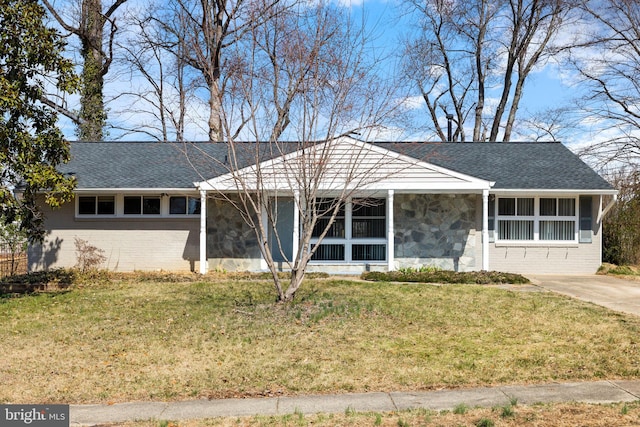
{"points": [[624, 270], [485, 422], [445, 276], [58, 276]]}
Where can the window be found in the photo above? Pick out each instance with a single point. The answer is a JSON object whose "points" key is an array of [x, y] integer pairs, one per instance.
{"points": [[181, 205], [368, 218], [537, 219], [137, 205], [515, 218], [325, 208], [358, 233], [145, 205], [329, 253], [369, 252], [96, 205], [563, 226]]}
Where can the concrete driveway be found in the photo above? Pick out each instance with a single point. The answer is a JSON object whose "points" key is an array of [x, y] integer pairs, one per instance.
{"points": [[611, 292]]}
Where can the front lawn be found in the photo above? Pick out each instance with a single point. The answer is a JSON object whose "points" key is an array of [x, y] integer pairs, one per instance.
{"points": [[131, 339]]}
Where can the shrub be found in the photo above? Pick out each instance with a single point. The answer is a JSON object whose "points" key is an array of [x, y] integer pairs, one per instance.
{"points": [[445, 276], [88, 257], [421, 269], [485, 422], [13, 247], [460, 409], [625, 270]]}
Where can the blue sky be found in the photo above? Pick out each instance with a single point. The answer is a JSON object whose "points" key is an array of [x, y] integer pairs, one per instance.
{"points": [[545, 87]]}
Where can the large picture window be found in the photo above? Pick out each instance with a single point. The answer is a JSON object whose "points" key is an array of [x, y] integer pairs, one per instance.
{"points": [[357, 234], [536, 219]]}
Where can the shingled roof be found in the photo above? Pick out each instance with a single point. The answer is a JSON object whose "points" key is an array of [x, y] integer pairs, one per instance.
{"points": [[142, 165], [512, 165]]}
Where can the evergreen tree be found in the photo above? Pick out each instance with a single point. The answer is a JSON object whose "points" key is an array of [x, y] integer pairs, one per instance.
{"points": [[31, 145]]}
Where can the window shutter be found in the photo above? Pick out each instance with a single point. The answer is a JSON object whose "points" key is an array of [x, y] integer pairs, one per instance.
{"points": [[586, 220], [492, 219]]}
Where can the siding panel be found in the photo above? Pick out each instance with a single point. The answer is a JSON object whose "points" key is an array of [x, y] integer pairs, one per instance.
{"points": [[144, 244], [573, 258]]}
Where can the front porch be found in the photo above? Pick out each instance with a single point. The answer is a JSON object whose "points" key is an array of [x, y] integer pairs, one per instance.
{"points": [[405, 229]]}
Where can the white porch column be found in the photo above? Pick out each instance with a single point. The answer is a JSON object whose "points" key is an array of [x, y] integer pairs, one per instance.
{"points": [[203, 232], [390, 232], [485, 230], [296, 225]]}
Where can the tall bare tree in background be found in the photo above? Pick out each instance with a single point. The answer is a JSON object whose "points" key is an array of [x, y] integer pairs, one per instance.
{"points": [[95, 26], [306, 76], [608, 60], [470, 51], [621, 232], [199, 33], [157, 99], [606, 57]]}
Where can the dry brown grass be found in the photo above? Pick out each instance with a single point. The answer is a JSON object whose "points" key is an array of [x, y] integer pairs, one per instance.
{"points": [[144, 340]]}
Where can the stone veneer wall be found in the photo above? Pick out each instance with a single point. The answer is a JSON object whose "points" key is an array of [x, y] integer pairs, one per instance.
{"points": [[231, 243], [435, 230]]}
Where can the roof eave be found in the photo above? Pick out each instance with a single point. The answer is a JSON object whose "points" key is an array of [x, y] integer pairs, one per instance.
{"points": [[138, 190], [553, 191]]}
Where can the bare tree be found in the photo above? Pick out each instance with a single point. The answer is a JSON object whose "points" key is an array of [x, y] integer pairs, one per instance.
{"points": [[95, 26], [621, 231], [308, 78], [608, 60], [467, 48], [199, 33], [552, 124], [156, 104]]}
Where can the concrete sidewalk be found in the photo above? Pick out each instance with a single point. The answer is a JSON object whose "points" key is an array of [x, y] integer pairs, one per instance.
{"points": [[587, 392]]}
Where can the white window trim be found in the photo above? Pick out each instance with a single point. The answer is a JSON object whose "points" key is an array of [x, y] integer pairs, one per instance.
{"points": [[167, 208], [119, 207], [142, 214], [348, 241], [96, 215], [537, 218]]}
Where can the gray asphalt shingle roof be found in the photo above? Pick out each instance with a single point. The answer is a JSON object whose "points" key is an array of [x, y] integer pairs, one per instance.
{"points": [[135, 165], [512, 165], [144, 165]]}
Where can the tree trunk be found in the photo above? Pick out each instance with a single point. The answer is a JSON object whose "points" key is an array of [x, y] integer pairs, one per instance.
{"points": [[92, 104], [90, 30], [215, 112], [482, 31]]}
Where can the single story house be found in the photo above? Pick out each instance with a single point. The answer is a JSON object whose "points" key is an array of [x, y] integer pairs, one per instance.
{"points": [[512, 207]]}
